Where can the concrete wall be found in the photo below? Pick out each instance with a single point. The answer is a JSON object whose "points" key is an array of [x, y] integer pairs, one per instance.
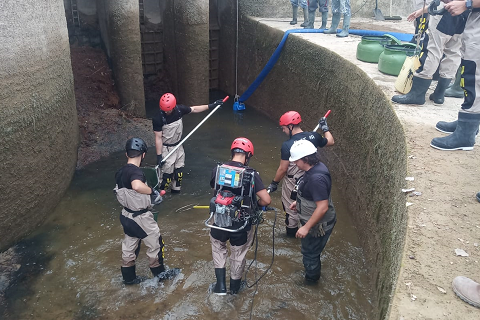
{"points": [[120, 30], [38, 120], [369, 156], [186, 49]]}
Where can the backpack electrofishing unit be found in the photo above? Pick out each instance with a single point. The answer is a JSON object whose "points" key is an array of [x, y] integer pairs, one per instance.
{"points": [[235, 200]]}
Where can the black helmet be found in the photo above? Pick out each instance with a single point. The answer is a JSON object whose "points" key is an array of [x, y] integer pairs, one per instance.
{"points": [[136, 144]]}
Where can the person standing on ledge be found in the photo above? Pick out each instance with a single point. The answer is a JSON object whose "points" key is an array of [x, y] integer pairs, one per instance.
{"points": [[295, 5], [340, 7], [312, 8]]}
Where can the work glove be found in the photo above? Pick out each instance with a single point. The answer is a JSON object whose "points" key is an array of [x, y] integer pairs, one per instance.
{"points": [[156, 197], [323, 124], [159, 160], [212, 106], [273, 186]]}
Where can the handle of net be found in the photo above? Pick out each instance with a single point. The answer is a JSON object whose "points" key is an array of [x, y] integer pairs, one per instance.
{"points": [[318, 125], [194, 129], [223, 229]]}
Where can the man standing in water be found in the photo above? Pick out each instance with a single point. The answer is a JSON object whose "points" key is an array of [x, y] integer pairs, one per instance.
{"points": [[290, 123], [314, 206], [137, 199], [236, 188], [168, 128]]}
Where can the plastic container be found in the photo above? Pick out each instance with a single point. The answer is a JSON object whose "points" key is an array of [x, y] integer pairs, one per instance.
{"points": [[370, 48], [393, 56]]}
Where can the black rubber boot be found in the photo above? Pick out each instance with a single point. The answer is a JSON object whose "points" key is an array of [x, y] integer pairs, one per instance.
{"points": [[455, 91], [324, 20], [221, 286], [416, 94], [157, 270], [305, 18], [448, 127], [478, 197], [129, 276], [291, 232], [335, 22], [346, 27], [438, 96], [311, 20], [463, 138], [235, 285], [295, 12]]}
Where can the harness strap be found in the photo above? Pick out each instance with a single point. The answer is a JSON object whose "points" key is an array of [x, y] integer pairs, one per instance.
{"points": [[136, 213]]}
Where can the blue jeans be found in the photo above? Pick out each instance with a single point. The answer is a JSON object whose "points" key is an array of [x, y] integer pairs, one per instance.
{"points": [[322, 4], [312, 248]]}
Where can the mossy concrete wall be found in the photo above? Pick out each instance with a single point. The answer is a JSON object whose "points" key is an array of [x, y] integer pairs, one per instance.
{"points": [[120, 30], [38, 119], [368, 161], [186, 49]]}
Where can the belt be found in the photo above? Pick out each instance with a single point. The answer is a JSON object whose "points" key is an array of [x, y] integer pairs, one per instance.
{"points": [[290, 176], [136, 213], [171, 144]]}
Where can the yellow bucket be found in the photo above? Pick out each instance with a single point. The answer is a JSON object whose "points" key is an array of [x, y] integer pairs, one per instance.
{"points": [[403, 84]]}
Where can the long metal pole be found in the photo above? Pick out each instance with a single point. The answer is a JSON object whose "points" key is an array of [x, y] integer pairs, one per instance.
{"points": [[191, 132]]}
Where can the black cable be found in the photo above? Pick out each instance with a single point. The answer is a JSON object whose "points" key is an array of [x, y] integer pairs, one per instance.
{"points": [[361, 7]]}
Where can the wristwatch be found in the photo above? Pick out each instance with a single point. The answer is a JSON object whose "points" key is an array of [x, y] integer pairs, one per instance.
{"points": [[469, 4]]}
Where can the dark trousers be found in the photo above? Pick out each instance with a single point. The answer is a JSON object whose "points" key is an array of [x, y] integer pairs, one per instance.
{"points": [[312, 248]]}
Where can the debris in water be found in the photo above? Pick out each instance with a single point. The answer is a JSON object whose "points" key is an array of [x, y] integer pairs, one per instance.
{"points": [[410, 178], [461, 252]]}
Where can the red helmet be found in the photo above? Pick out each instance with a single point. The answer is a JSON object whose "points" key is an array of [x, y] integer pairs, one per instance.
{"points": [[290, 117], [167, 102], [243, 144]]}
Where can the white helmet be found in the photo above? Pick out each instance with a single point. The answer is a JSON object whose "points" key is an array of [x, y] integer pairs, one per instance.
{"points": [[300, 149]]}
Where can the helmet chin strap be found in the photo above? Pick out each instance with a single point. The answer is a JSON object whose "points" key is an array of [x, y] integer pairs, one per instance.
{"points": [[290, 129], [247, 158]]}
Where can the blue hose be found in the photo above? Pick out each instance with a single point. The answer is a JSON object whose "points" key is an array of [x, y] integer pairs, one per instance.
{"points": [[274, 58]]}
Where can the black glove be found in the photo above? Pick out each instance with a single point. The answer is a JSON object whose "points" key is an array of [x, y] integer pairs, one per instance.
{"points": [[273, 186], [212, 106], [323, 124], [159, 159], [155, 197]]}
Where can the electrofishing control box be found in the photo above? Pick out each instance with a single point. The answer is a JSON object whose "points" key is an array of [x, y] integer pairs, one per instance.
{"points": [[229, 176]]}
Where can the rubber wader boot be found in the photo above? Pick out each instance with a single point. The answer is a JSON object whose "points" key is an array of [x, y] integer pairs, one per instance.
{"points": [[478, 196], [221, 286], [448, 127], [455, 91], [438, 96], [467, 290], [311, 20], [346, 26], [335, 22], [235, 285], [305, 18], [416, 94], [463, 138], [129, 276], [295, 12], [324, 20], [291, 232]]}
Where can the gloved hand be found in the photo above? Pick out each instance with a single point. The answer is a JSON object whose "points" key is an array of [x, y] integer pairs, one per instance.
{"points": [[323, 124], [212, 106], [156, 197], [159, 159], [273, 186]]}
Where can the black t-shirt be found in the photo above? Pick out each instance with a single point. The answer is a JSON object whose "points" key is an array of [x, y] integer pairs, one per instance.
{"points": [[128, 173], [316, 183], [314, 137], [259, 186], [161, 118]]}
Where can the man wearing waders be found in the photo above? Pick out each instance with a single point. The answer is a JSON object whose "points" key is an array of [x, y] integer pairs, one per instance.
{"points": [[314, 206], [137, 199], [441, 46], [168, 128], [242, 203], [290, 123], [465, 128]]}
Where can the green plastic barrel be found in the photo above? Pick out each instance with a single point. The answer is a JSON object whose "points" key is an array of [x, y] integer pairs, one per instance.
{"points": [[393, 56], [370, 48]]}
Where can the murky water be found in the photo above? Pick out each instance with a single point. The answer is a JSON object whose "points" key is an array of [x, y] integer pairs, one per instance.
{"points": [[73, 268]]}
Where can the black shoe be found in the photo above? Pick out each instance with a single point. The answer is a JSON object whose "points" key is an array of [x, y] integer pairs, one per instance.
{"points": [[221, 286], [416, 94], [438, 96], [463, 138], [235, 285], [129, 276]]}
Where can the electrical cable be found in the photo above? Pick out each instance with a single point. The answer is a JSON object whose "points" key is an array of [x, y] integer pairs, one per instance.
{"points": [[236, 60], [361, 7]]}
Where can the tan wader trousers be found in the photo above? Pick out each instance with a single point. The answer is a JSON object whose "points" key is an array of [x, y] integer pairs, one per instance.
{"points": [[293, 173], [471, 64], [172, 134]]}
